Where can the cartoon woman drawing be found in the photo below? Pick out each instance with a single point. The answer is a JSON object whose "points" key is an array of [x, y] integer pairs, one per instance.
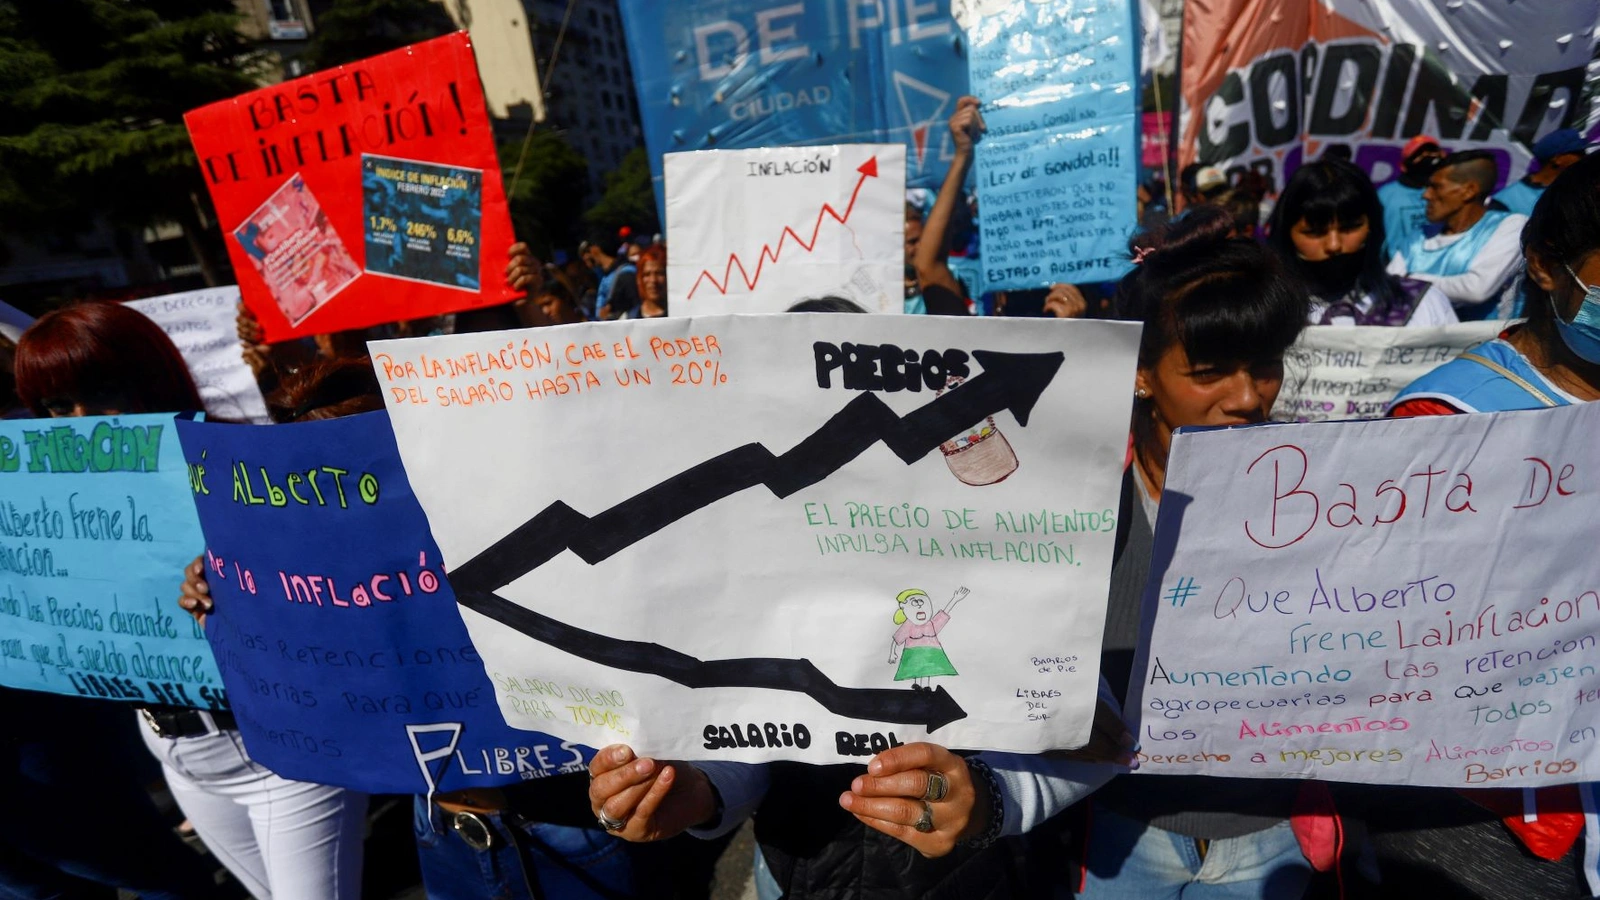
{"points": [[923, 656]]}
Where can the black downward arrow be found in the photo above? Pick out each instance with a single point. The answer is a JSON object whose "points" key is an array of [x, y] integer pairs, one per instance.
{"points": [[933, 709], [1008, 381]]}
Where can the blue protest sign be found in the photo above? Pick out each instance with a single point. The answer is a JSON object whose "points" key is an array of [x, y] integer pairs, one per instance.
{"points": [[337, 634], [1057, 174], [735, 74], [95, 529]]}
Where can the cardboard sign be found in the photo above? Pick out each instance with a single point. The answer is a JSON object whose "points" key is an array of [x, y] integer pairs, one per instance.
{"points": [[201, 325], [360, 195], [759, 230], [1400, 601], [795, 537], [1354, 372], [1058, 172], [337, 635], [95, 529]]}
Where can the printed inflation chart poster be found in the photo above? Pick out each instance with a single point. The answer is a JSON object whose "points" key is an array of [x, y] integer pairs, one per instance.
{"points": [[361, 195]]}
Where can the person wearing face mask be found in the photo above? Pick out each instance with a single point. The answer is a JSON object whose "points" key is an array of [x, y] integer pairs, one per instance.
{"points": [[1404, 210], [1479, 843], [1328, 228], [1474, 256]]}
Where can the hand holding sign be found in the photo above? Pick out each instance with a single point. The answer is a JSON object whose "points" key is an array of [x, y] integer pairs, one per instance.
{"points": [[966, 126], [654, 800]]}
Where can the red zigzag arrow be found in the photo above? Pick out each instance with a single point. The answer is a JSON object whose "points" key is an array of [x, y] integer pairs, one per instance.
{"points": [[869, 169]]}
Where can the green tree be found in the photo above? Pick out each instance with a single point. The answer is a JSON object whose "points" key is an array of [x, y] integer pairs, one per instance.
{"points": [[546, 199], [349, 30], [92, 97], [629, 199]]}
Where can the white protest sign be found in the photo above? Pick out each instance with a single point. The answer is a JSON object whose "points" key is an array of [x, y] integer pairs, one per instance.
{"points": [[777, 537], [1396, 601], [201, 324], [1354, 372], [759, 230]]}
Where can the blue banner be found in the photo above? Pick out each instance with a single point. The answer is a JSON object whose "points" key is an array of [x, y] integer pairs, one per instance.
{"points": [[95, 529], [1058, 173], [337, 634], [734, 74]]}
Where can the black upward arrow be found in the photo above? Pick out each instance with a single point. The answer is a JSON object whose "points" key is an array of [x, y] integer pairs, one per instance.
{"points": [[1009, 381]]}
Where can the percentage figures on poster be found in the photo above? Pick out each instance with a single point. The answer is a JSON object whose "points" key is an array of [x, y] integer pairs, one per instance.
{"points": [[460, 236], [382, 223], [693, 373], [421, 230]]}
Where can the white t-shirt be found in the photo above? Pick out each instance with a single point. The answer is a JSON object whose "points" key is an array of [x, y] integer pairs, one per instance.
{"points": [[1490, 271], [1433, 308]]}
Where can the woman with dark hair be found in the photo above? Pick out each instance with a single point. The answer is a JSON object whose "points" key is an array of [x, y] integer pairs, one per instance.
{"points": [[1479, 843], [1219, 314], [1328, 228], [278, 837]]}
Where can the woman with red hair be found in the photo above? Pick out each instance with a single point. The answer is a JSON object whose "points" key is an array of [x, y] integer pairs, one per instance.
{"points": [[652, 284], [278, 837]]}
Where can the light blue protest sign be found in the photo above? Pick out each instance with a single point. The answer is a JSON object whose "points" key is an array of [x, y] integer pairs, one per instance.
{"points": [[1057, 173], [96, 526], [735, 74]]}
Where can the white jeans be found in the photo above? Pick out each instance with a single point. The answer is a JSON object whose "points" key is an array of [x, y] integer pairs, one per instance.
{"points": [[289, 839]]}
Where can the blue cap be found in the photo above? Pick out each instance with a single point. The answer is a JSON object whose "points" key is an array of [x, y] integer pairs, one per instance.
{"points": [[1558, 143]]}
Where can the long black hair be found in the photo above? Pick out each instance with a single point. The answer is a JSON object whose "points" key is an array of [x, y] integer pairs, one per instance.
{"points": [[1325, 193], [1225, 300], [1563, 228]]}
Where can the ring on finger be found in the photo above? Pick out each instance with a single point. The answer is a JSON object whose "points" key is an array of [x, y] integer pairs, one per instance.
{"points": [[924, 823], [938, 787], [609, 823]]}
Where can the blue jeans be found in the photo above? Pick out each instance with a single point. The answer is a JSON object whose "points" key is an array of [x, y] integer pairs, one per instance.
{"points": [[1130, 860], [528, 861]]}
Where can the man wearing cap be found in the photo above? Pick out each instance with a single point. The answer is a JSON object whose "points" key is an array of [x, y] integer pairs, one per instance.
{"points": [[1403, 216], [1554, 152], [1477, 250]]}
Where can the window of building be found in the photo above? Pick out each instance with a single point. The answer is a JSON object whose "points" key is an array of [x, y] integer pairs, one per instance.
{"points": [[594, 19], [611, 126], [605, 99]]}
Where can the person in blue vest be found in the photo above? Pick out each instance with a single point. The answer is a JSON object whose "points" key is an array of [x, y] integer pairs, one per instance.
{"points": [[1403, 216], [1491, 843], [1554, 152], [1476, 254]]}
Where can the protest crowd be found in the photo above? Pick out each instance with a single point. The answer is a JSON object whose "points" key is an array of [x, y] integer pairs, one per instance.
{"points": [[1225, 272]]}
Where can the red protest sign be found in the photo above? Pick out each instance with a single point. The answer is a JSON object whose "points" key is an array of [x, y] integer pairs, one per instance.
{"points": [[364, 194]]}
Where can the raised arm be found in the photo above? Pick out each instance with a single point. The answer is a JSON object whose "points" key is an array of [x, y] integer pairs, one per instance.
{"points": [[966, 127]]}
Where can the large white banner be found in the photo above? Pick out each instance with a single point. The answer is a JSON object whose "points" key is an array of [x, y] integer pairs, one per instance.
{"points": [[1268, 85], [1400, 601], [777, 537], [758, 230], [201, 324], [1339, 372]]}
